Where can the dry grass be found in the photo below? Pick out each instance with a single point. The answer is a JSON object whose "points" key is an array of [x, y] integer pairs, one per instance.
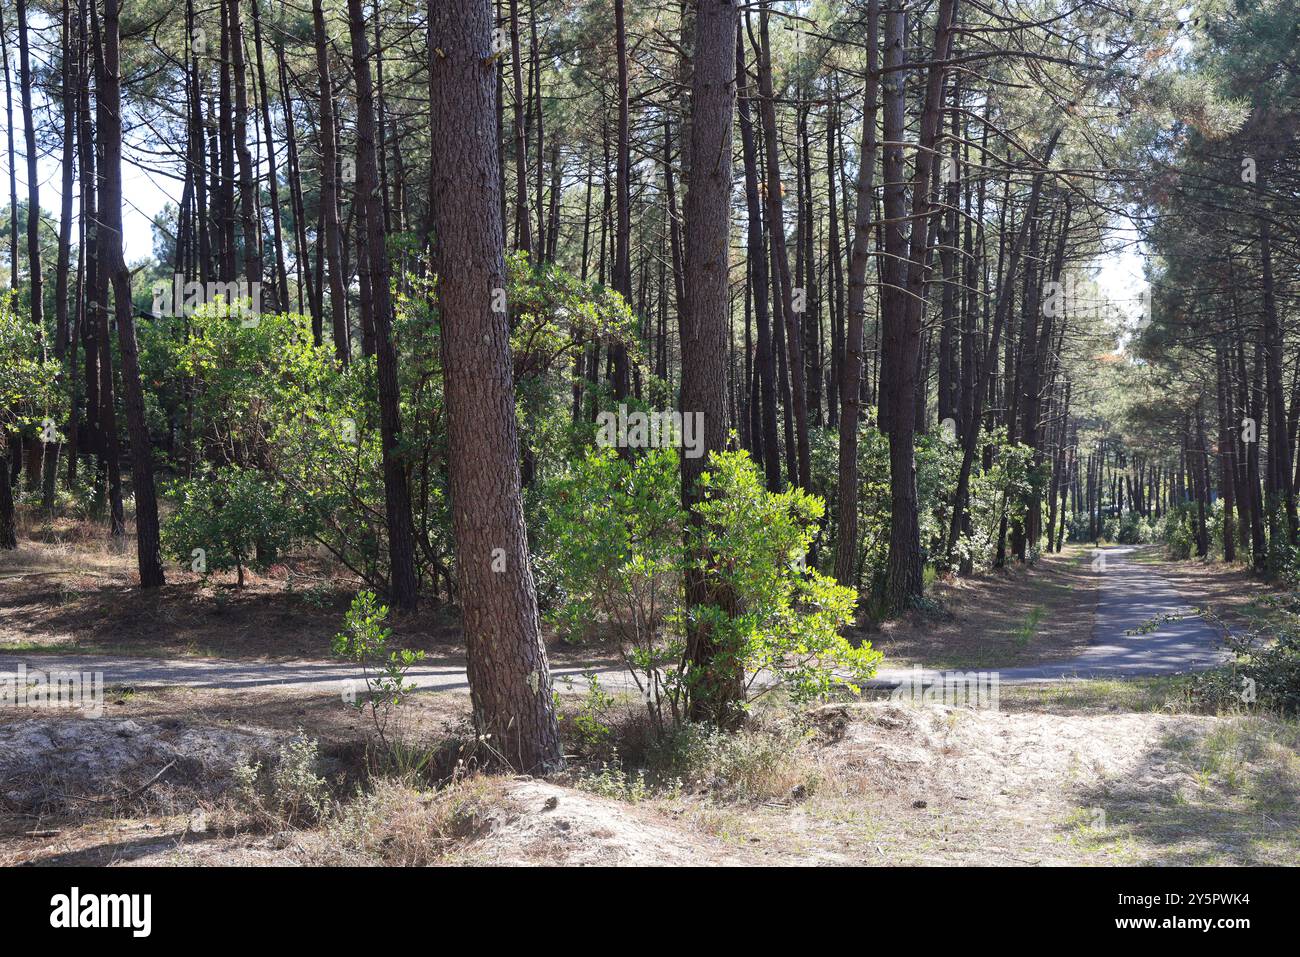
{"points": [[869, 783]]}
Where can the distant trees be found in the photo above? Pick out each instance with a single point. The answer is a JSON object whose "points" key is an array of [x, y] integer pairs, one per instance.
{"points": [[879, 324]]}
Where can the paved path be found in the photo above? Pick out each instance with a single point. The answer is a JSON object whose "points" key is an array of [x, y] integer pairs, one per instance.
{"points": [[1131, 595]]}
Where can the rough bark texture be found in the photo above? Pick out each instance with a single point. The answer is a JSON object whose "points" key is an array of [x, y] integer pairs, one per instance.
{"points": [[718, 685], [509, 678]]}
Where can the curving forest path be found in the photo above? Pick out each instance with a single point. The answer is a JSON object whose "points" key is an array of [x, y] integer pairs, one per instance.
{"points": [[1143, 627]]}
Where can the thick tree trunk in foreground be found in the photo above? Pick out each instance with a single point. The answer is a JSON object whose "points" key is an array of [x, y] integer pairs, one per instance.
{"points": [[705, 325], [510, 682]]}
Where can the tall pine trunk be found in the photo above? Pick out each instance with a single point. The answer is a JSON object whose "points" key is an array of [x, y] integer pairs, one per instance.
{"points": [[377, 314], [705, 325], [846, 549], [108, 103], [510, 683]]}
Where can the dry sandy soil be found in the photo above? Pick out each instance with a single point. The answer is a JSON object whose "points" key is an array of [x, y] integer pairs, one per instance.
{"points": [[1090, 772], [873, 783]]}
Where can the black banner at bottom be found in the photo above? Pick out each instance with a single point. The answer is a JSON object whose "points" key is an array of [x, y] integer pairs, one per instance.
{"points": [[338, 907]]}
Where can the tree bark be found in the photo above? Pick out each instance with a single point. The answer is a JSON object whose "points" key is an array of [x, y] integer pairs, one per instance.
{"points": [[717, 691], [108, 102], [510, 684], [903, 313], [846, 546]]}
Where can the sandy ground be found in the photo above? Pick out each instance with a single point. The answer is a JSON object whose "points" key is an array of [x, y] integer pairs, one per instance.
{"points": [[876, 783]]}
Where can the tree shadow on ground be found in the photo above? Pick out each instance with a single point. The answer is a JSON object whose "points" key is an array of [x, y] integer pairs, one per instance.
{"points": [[1227, 796]]}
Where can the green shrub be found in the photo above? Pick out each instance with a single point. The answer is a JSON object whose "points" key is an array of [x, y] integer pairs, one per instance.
{"points": [[788, 616], [1177, 530], [616, 544], [1133, 530], [228, 519], [1265, 670], [364, 641]]}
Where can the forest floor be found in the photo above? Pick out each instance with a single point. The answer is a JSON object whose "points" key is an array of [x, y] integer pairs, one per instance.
{"points": [[66, 591], [1024, 615], [1094, 771], [1111, 774]]}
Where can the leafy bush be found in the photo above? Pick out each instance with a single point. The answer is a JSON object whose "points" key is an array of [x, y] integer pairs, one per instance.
{"points": [[611, 780], [1133, 530], [268, 400], [27, 378], [227, 519], [612, 544], [788, 616], [588, 726], [1177, 530], [1266, 677], [617, 544]]}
